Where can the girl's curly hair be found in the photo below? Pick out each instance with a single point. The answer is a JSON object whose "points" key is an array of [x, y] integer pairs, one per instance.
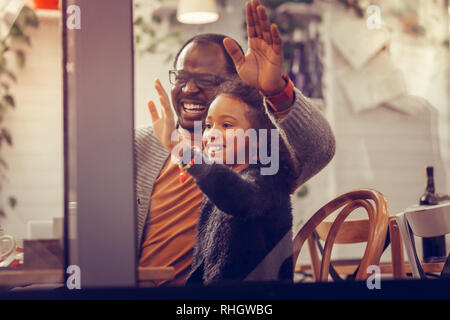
{"points": [[260, 118]]}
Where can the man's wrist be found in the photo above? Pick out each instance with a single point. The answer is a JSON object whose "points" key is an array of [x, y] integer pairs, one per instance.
{"points": [[276, 89], [283, 99]]}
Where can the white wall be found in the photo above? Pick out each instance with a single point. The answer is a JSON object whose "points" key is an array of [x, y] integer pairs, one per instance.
{"points": [[383, 148], [36, 160]]}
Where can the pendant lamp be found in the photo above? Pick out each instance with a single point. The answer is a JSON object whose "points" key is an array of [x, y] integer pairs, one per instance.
{"points": [[197, 11]]}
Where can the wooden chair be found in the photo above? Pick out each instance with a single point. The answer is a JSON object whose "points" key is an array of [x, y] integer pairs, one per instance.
{"points": [[373, 230]]}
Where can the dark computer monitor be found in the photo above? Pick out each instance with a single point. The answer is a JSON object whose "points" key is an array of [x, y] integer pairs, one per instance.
{"points": [[99, 155]]}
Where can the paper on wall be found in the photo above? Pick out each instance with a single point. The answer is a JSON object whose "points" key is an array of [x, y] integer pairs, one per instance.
{"points": [[357, 43], [409, 104], [377, 82]]}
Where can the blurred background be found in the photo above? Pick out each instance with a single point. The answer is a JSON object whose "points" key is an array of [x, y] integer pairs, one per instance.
{"points": [[379, 71]]}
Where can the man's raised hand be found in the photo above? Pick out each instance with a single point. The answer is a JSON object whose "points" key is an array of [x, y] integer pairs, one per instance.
{"points": [[262, 66], [163, 125]]}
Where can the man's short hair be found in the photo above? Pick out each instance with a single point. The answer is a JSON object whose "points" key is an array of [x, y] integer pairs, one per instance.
{"points": [[207, 38]]}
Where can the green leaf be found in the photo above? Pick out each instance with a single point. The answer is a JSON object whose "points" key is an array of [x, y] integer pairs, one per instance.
{"points": [[139, 21], [11, 75], [302, 192], [3, 47], [9, 100], [7, 136], [20, 58], [30, 17], [3, 63], [27, 17], [12, 202], [3, 163], [16, 32], [156, 19], [152, 48], [3, 109]]}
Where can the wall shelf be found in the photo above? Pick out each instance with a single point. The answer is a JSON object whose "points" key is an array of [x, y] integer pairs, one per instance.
{"points": [[48, 14]]}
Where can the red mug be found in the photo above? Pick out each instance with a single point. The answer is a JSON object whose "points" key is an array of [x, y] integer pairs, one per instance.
{"points": [[46, 4]]}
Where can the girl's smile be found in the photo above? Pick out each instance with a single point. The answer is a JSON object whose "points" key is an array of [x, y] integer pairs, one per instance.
{"points": [[226, 114]]}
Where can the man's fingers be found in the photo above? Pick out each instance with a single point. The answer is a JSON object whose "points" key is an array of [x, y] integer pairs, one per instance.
{"points": [[264, 24], [234, 52], [153, 112], [276, 38], [251, 32], [254, 11], [163, 97]]}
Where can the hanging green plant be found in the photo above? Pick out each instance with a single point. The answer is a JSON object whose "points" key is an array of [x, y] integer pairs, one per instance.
{"points": [[149, 35], [160, 34], [27, 18]]}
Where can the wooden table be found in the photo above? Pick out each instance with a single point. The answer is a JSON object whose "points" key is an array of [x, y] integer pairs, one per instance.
{"points": [[20, 278]]}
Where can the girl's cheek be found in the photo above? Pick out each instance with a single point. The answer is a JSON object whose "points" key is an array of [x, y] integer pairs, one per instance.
{"points": [[205, 137]]}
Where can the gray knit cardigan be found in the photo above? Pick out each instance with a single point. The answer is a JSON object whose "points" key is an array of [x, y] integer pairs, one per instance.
{"points": [[307, 131]]}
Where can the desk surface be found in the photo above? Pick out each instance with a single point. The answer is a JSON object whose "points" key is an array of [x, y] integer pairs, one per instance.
{"points": [[16, 278]]}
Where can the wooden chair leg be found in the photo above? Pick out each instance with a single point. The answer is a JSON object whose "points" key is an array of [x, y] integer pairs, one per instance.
{"points": [[315, 261], [398, 263]]}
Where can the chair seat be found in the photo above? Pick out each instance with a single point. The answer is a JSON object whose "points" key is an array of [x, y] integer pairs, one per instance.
{"points": [[351, 231]]}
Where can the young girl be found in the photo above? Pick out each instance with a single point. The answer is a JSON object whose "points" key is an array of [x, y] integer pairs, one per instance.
{"points": [[243, 232]]}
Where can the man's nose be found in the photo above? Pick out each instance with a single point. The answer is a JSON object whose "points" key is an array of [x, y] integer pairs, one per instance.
{"points": [[190, 86]]}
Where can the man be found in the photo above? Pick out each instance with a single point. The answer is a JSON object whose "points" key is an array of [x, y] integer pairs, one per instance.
{"points": [[168, 210]]}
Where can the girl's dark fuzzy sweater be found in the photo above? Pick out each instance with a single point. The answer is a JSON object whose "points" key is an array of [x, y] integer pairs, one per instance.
{"points": [[243, 216]]}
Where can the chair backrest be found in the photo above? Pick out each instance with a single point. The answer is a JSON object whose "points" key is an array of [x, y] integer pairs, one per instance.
{"points": [[373, 231], [423, 221]]}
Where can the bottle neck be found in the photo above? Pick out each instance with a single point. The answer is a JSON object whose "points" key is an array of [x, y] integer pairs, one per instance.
{"points": [[430, 180], [430, 185]]}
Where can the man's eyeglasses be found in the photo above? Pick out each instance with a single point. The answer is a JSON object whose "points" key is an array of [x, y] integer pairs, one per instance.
{"points": [[202, 80]]}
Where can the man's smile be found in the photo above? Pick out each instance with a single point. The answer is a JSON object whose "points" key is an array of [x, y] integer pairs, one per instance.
{"points": [[193, 108]]}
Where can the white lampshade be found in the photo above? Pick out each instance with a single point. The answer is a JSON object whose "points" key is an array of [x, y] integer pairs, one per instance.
{"points": [[197, 11]]}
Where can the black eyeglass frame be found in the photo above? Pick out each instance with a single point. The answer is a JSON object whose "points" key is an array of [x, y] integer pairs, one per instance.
{"points": [[207, 84]]}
